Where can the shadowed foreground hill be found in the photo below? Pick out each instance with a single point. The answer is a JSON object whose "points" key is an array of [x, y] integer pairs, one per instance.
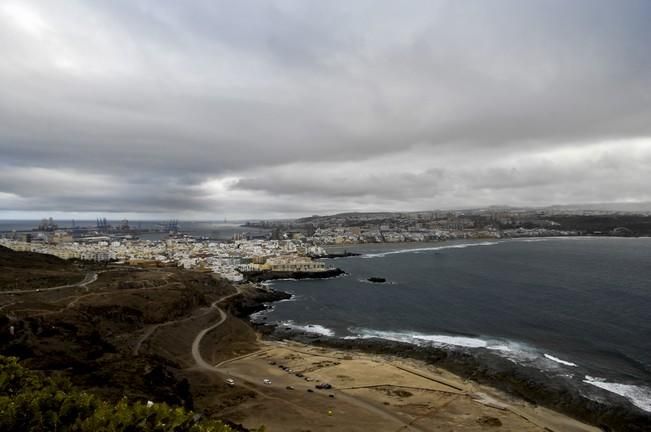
{"points": [[126, 335], [32, 402], [29, 270]]}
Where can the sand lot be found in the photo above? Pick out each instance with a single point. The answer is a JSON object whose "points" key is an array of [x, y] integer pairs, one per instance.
{"points": [[371, 393]]}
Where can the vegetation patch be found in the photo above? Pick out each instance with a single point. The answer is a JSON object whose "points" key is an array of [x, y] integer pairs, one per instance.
{"points": [[32, 402]]}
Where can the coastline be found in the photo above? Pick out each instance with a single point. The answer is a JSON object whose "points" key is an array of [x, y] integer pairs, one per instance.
{"points": [[499, 376], [263, 276], [381, 392], [146, 353]]}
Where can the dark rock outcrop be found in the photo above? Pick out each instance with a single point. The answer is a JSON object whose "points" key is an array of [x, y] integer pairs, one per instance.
{"points": [[254, 300], [261, 276], [374, 279]]}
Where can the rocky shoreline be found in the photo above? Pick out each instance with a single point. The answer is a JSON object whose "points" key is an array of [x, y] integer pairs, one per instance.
{"points": [[344, 254], [245, 306], [262, 276], [607, 411]]}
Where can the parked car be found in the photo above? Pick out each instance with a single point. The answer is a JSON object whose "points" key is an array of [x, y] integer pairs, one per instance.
{"points": [[230, 382], [266, 381]]}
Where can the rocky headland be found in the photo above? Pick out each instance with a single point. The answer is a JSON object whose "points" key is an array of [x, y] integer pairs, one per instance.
{"points": [[262, 276]]}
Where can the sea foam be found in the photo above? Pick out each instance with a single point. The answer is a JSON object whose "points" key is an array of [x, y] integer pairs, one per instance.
{"points": [[516, 352], [423, 339], [638, 395], [432, 248], [557, 360], [308, 328]]}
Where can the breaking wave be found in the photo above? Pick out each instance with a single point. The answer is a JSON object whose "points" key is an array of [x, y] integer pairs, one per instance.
{"points": [[432, 248], [427, 340], [557, 360], [257, 316], [516, 352], [308, 328], [638, 395]]}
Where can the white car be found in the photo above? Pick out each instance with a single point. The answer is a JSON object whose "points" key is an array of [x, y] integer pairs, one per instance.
{"points": [[266, 381], [230, 382]]}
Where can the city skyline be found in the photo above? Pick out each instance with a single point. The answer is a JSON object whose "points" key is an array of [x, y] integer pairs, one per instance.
{"points": [[249, 110]]}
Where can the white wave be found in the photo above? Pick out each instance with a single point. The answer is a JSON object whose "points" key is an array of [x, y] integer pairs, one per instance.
{"points": [[500, 348], [557, 360], [432, 248], [257, 316], [308, 328], [518, 353], [638, 395], [424, 339]]}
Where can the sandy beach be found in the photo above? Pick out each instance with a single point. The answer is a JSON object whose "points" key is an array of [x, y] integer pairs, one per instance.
{"points": [[370, 392]]}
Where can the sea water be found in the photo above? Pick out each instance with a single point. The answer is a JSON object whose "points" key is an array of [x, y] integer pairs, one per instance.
{"points": [[575, 307]]}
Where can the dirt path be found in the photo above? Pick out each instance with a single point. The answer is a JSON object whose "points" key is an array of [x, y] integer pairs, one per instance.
{"points": [[89, 278], [203, 312], [247, 381], [100, 294], [196, 343]]}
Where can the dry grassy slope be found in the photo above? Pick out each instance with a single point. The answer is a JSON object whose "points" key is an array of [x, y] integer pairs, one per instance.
{"points": [[25, 270], [89, 334]]}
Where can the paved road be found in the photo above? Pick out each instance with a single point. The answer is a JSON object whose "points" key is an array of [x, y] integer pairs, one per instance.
{"points": [[88, 279]]}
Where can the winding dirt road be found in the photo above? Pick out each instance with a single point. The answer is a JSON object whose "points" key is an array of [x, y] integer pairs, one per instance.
{"points": [[89, 278], [152, 329], [196, 343], [248, 381]]}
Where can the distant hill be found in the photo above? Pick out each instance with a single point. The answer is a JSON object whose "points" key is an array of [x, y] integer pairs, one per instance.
{"points": [[25, 270]]}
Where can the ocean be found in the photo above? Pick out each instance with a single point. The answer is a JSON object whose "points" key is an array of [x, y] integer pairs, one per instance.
{"points": [[575, 308]]}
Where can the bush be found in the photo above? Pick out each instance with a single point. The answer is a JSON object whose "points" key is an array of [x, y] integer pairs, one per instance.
{"points": [[31, 402]]}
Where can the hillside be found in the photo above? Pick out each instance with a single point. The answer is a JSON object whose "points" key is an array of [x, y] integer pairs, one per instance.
{"points": [[28, 270], [125, 332], [30, 401]]}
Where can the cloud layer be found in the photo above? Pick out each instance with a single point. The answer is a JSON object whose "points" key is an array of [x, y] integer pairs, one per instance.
{"points": [[248, 109]]}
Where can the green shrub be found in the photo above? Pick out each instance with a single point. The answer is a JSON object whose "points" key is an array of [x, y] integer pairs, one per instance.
{"points": [[31, 402]]}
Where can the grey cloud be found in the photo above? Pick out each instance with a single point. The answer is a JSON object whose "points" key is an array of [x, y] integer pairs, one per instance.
{"points": [[159, 98], [610, 172]]}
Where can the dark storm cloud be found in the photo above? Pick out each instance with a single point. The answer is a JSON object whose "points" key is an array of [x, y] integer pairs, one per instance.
{"points": [[250, 108]]}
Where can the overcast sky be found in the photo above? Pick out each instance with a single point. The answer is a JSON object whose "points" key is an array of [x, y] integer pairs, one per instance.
{"points": [[207, 109]]}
